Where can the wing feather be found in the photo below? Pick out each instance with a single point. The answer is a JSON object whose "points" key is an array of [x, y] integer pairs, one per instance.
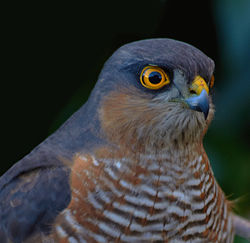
{"points": [[30, 201]]}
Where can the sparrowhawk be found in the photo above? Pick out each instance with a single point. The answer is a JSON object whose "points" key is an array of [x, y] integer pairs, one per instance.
{"points": [[129, 166]]}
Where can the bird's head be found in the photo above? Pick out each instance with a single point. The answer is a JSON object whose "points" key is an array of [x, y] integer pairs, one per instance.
{"points": [[155, 92]]}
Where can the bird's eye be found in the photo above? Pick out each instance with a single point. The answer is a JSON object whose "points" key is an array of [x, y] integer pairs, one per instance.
{"points": [[153, 77], [211, 83]]}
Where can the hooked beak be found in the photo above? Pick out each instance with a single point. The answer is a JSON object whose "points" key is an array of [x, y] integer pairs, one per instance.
{"points": [[199, 101]]}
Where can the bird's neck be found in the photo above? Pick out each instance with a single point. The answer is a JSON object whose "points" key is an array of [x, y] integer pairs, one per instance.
{"points": [[176, 151], [168, 157]]}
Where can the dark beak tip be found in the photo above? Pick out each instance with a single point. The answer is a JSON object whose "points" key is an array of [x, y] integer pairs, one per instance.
{"points": [[206, 114]]}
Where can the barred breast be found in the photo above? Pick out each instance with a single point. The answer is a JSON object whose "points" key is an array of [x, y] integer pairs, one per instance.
{"points": [[143, 199]]}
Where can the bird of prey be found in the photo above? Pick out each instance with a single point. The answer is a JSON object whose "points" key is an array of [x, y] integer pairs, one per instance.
{"points": [[129, 166]]}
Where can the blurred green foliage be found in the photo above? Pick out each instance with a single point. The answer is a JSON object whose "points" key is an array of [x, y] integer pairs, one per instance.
{"points": [[228, 140], [54, 54]]}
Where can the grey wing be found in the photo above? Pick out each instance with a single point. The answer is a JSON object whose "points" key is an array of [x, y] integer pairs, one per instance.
{"points": [[30, 201]]}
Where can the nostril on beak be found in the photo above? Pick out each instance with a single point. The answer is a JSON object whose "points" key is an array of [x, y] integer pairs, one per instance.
{"points": [[192, 92]]}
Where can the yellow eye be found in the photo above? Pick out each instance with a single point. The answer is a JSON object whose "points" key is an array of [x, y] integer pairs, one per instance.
{"points": [[153, 77]]}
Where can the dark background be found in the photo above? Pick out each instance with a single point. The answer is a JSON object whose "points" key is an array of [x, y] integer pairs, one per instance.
{"points": [[52, 55]]}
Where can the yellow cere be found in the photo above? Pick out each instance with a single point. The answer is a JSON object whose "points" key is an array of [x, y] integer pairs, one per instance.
{"points": [[198, 85], [153, 77]]}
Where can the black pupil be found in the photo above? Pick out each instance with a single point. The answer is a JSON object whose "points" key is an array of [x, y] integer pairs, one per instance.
{"points": [[155, 77]]}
